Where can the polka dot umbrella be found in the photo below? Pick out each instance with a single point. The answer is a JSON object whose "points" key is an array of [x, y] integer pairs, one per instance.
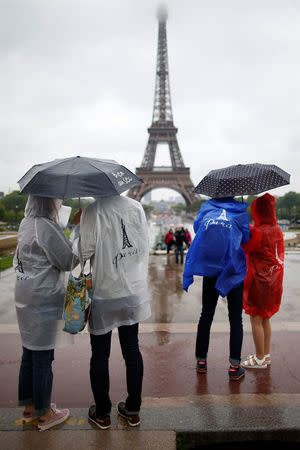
{"points": [[242, 179]]}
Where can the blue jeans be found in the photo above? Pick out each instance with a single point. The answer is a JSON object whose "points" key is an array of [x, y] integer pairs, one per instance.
{"points": [[235, 307], [35, 379], [99, 370], [179, 251]]}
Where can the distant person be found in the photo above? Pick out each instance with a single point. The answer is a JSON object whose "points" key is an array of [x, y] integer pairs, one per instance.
{"points": [[114, 234], [188, 238], [221, 226], [179, 240], [263, 281], [169, 240], [43, 254]]}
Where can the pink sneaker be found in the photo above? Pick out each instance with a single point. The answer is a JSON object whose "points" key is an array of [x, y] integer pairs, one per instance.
{"points": [[59, 416], [30, 416]]}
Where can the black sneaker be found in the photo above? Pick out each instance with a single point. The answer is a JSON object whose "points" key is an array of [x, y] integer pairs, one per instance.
{"points": [[133, 419], [201, 366], [101, 422], [236, 373]]}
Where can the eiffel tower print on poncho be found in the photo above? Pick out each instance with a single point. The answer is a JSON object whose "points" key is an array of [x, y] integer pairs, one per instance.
{"points": [[126, 242]]}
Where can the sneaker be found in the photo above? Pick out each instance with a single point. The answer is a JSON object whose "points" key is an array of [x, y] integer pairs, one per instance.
{"points": [[201, 366], [133, 419], [59, 416], [30, 416], [102, 422], [236, 373]]}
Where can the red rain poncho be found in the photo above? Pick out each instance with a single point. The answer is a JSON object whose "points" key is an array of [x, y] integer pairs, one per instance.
{"points": [[265, 255]]}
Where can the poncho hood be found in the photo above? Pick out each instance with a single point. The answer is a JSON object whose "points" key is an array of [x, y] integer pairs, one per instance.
{"points": [[229, 204], [263, 210], [221, 226]]}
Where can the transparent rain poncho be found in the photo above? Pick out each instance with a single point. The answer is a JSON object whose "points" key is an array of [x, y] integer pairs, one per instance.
{"points": [[43, 254], [114, 234]]}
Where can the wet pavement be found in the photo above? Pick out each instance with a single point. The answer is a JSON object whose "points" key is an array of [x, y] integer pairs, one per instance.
{"points": [[265, 405]]}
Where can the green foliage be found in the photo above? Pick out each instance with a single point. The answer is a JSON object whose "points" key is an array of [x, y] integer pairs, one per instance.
{"points": [[2, 212], [10, 217], [74, 203], [148, 209], [6, 262], [14, 201], [67, 233], [287, 206], [195, 206], [12, 207], [179, 207]]}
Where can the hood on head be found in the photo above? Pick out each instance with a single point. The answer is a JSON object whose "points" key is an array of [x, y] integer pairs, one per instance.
{"points": [[229, 204], [263, 210]]}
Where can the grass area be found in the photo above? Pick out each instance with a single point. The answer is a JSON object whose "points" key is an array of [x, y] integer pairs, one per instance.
{"points": [[6, 262]]}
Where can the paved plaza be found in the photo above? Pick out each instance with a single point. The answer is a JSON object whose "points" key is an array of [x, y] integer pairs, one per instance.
{"points": [[176, 400]]}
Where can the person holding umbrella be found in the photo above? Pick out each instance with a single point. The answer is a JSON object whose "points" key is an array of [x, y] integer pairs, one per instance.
{"points": [[114, 235], [263, 281], [218, 256], [43, 254]]}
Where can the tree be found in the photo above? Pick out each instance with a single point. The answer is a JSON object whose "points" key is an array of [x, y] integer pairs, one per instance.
{"points": [[148, 209], [10, 217], [2, 212], [178, 208], [195, 206], [288, 206], [10, 201]]}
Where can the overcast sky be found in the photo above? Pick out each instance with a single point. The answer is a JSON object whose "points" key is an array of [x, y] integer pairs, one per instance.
{"points": [[77, 78]]}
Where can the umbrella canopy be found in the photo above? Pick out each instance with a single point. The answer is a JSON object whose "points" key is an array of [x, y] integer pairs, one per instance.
{"points": [[78, 177], [242, 179]]}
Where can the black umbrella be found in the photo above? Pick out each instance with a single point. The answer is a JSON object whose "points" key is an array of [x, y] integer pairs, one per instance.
{"points": [[78, 177], [242, 179]]}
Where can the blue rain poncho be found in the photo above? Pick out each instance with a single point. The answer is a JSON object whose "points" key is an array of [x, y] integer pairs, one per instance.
{"points": [[221, 226]]}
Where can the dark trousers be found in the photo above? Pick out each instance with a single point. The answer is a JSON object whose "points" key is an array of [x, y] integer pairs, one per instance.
{"points": [[99, 370], [235, 307], [179, 251], [169, 246], [35, 379]]}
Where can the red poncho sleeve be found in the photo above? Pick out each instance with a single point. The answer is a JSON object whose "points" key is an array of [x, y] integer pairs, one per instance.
{"points": [[254, 242]]}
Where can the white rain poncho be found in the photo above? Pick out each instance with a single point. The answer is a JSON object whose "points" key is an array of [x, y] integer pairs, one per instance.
{"points": [[114, 234], [43, 254]]}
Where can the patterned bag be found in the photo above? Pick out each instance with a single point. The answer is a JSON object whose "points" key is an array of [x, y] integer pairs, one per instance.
{"points": [[77, 303], [78, 296]]}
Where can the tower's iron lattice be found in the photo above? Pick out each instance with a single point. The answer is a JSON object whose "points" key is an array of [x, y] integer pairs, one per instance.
{"points": [[162, 130]]}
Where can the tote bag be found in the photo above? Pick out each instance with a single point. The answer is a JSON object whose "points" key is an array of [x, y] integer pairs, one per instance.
{"points": [[77, 303]]}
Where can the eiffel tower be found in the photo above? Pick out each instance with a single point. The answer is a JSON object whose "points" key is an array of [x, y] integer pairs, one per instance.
{"points": [[162, 130]]}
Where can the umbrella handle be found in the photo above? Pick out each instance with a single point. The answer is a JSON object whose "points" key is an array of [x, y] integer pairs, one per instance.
{"points": [[78, 202]]}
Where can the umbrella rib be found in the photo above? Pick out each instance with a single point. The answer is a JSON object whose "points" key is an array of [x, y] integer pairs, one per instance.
{"points": [[102, 171]]}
